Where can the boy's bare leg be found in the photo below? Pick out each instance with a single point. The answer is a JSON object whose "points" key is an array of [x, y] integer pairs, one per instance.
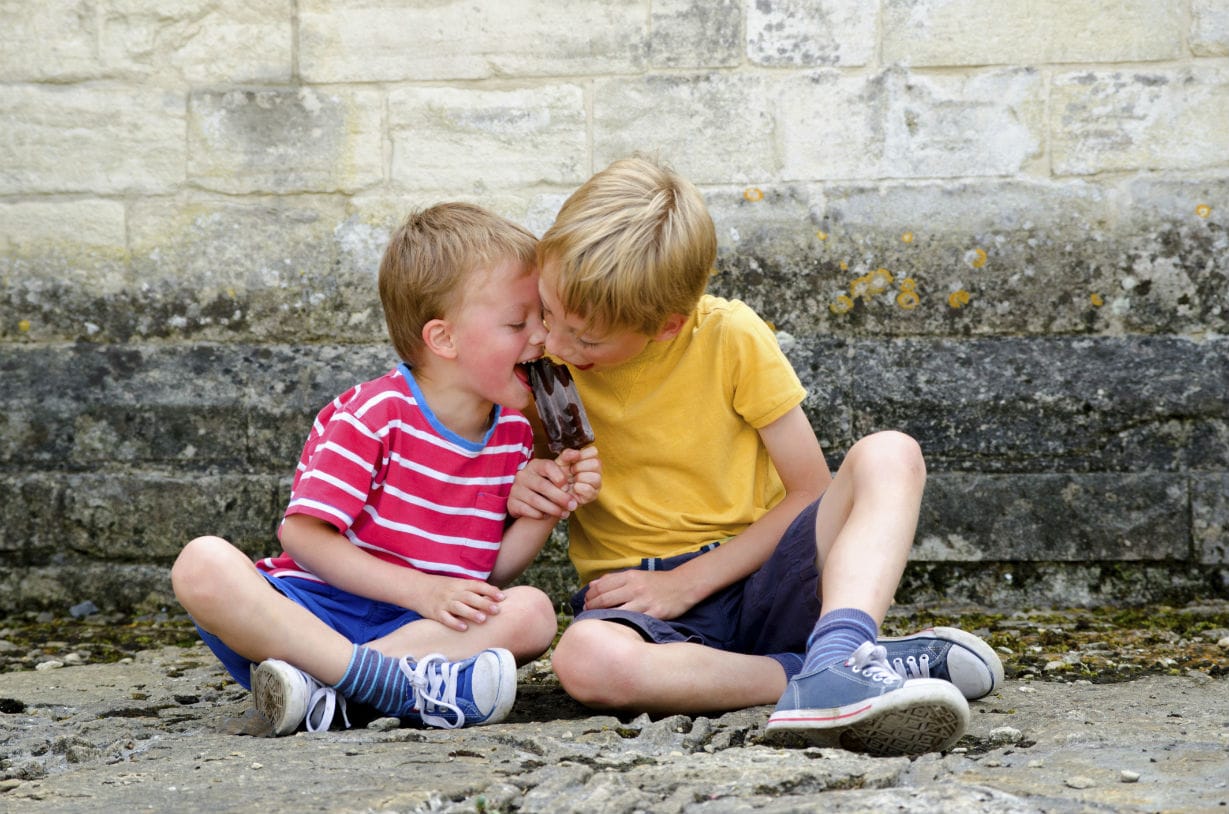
{"points": [[866, 523], [608, 665], [224, 593], [525, 625]]}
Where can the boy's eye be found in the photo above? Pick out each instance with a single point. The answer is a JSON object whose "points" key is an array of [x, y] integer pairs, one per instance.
{"points": [[585, 343]]}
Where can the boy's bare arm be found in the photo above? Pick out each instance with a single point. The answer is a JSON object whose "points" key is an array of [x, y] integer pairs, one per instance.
{"points": [[799, 460], [580, 473], [451, 601]]}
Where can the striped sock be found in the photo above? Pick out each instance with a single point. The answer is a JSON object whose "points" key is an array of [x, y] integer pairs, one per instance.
{"points": [[837, 634], [374, 678]]}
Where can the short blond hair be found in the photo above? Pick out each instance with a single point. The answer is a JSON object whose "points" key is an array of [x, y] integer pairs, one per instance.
{"points": [[431, 257], [633, 245]]}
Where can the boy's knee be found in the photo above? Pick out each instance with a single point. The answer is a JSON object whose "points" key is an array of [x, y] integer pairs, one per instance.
{"points": [[588, 662], [192, 573], [535, 618], [894, 449]]}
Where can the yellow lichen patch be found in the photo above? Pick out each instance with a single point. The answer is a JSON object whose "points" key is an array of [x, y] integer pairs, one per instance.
{"points": [[908, 298], [844, 266], [753, 194], [1096, 300], [821, 234], [958, 298], [879, 281], [860, 286], [842, 305], [1203, 210], [907, 237], [23, 326], [975, 257]]}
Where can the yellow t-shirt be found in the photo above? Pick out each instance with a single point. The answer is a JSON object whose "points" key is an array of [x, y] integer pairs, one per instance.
{"points": [[682, 462]]}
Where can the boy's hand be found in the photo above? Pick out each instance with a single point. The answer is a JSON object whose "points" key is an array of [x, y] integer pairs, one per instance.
{"points": [[546, 488], [653, 592], [456, 603], [585, 472]]}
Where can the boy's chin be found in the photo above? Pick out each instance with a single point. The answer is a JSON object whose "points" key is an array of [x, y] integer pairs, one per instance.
{"points": [[522, 402]]}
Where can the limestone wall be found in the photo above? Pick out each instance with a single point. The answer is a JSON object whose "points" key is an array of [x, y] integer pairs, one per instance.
{"points": [[998, 226]]}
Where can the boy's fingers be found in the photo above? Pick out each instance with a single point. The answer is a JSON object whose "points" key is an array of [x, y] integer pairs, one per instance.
{"points": [[566, 458], [557, 476]]}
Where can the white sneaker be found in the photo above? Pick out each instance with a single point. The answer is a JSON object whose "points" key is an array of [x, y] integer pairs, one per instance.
{"points": [[287, 697]]}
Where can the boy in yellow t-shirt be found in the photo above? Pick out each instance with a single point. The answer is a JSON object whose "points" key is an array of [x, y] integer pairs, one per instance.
{"points": [[722, 565]]}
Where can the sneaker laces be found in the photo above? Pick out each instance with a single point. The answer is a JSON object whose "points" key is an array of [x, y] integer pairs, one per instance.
{"points": [[872, 662], [912, 667], [330, 699], [434, 680]]}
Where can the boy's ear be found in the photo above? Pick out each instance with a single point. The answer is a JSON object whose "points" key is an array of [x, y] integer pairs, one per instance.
{"points": [[674, 324], [437, 336]]}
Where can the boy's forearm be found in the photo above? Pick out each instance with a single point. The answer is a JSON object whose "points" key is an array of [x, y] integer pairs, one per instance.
{"points": [[522, 541], [740, 555], [341, 564]]}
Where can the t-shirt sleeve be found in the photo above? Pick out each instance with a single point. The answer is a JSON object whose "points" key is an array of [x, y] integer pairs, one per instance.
{"points": [[339, 469], [765, 386]]}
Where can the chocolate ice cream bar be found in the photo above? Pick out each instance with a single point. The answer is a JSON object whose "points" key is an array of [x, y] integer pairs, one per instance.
{"points": [[563, 416]]}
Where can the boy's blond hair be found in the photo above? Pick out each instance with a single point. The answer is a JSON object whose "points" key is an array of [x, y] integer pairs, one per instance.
{"points": [[432, 256], [633, 245]]}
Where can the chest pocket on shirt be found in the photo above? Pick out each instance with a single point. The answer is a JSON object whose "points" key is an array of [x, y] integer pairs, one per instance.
{"points": [[485, 530]]}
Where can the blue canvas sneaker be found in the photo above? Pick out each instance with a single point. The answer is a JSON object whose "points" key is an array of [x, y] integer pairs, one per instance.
{"points": [[288, 697], [862, 705], [452, 694], [948, 653]]}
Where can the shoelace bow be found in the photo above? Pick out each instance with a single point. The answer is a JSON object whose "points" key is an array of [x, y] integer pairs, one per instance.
{"points": [[434, 680], [872, 661], [331, 699]]}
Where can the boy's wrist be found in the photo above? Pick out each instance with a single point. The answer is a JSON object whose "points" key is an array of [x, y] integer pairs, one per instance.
{"points": [[687, 586]]}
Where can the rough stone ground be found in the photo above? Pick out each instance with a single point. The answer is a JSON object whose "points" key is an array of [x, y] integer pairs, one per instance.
{"points": [[1102, 711]]}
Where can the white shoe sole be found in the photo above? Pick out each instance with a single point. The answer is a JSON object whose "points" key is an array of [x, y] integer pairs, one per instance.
{"points": [[273, 692], [925, 715]]}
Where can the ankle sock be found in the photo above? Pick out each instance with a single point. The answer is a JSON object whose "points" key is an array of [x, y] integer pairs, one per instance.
{"points": [[374, 678], [836, 635], [791, 663]]}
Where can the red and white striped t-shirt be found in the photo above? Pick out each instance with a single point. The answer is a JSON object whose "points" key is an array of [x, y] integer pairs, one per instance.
{"points": [[380, 467]]}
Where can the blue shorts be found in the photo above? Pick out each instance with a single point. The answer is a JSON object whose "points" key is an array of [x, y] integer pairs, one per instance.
{"points": [[358, 618], [767, 613]]}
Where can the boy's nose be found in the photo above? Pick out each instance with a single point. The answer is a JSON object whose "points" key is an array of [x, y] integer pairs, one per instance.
{"points": [[538, 337], [554, 343]]}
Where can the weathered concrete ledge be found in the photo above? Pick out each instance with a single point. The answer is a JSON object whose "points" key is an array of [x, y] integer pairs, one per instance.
{"points": [[152, 734]]}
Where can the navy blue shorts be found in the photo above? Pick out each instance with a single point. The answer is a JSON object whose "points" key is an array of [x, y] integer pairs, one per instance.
{"points": [[358, 618], [771, 611]]}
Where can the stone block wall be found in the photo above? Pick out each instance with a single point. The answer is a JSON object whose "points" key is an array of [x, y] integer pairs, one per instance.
{"points": [[1000, 227]]}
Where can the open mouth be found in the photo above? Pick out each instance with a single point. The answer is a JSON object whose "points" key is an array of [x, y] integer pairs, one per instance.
{"points": [[522, 373]]}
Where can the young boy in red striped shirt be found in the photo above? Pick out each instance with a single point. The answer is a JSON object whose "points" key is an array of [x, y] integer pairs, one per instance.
{"points": [[396, 542]]}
